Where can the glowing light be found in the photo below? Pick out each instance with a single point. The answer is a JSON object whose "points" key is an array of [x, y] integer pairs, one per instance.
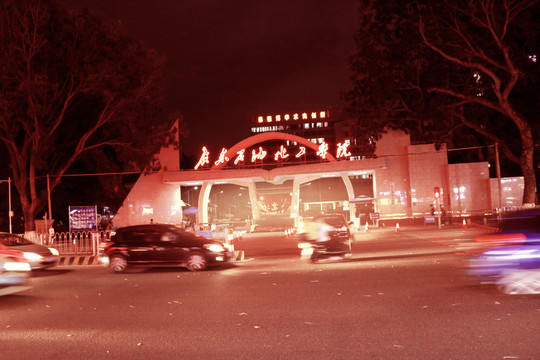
{"points": [[343, 149], [147, 211], [205, 158], [295, 117], [323, 150], [278, 117], [304, 116], [322, 115], [240, 156], [301, 152], [260, 119], [282, 153], [287, 117], [269, 118], [313, 115], [258, 155], [222, 158]]}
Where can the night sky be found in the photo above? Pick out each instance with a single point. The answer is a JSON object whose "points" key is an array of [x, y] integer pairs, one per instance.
{"points": [[231, 60]]}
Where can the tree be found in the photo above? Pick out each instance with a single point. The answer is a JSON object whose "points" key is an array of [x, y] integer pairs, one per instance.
{"points": [[442, 69], [73, 88]]}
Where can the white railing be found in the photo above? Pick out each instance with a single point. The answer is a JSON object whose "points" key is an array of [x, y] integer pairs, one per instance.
{"points": [[73, 242]]}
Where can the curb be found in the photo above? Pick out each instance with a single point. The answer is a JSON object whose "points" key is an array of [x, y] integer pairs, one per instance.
{"points": [[78, 260]]}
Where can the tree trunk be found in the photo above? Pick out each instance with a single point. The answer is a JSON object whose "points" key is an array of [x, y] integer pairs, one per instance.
{"points": [[527, 168]]}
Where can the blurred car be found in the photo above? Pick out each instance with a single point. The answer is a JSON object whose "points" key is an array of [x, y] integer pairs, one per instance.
{"points": [[520, 282], [513, 251], [154, 245], [14, 272], [341, 230], [39, 256]]}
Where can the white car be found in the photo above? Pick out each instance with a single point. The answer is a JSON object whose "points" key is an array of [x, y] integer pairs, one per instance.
{"points": [[39, 256]]}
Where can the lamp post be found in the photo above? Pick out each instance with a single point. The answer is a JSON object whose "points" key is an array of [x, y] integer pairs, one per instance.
{"points": [[190, 190], [236, 203], [215, 200]]}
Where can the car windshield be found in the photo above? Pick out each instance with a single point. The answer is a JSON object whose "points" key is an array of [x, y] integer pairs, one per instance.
{"points": [[332, 220], [12, 240]]}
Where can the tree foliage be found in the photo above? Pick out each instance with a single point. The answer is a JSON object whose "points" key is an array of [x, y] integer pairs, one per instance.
{"points": [[73, 89], [457, 71]]}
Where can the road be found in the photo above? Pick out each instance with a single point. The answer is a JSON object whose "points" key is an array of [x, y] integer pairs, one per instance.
{"points": [[398, 297]]}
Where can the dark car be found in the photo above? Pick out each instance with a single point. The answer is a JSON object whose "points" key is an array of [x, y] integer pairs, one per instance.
{"points": [[39, 256], [156, 245]]}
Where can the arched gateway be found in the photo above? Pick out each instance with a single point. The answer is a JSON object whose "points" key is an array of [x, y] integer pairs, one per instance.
{"points": [[298, 179]]}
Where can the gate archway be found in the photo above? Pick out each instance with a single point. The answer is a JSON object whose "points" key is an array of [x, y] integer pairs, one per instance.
{"points": [[298, 180]]}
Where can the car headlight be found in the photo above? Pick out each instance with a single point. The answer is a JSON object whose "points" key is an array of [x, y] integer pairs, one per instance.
{"points": [[17, 266], [54, 251], [214, 247], [32, 256]]}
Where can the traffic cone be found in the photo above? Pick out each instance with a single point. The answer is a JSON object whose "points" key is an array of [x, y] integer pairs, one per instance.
{"points": [[464, 224], [397, 227]]}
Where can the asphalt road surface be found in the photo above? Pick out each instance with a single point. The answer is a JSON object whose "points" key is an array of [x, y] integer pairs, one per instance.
{"points": [[398, 297]]}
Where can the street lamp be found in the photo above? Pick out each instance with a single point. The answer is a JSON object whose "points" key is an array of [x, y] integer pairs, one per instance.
{"points": [[190, 190], [215, 199], [236, 203]]}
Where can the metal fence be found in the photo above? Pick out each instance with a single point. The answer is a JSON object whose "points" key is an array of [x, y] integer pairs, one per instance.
{"points": [[72, 243]]}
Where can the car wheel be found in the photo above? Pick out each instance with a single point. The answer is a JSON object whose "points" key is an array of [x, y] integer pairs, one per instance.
{"points": [[196, 262], [117, 264]]}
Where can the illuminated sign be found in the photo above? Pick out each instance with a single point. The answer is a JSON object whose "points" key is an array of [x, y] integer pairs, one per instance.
{"points": [[301, 152], [323, 150], [343, 150], [282, 153], [205, 158], [295, 116], [222, 158], [82, 218], [259, 154]]}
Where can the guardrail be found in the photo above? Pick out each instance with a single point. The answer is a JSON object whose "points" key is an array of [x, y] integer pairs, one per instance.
{"points": [[72, 243]]}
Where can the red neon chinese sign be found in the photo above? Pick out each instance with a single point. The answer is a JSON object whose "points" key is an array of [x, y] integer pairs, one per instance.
{"points": [[342, 151]]}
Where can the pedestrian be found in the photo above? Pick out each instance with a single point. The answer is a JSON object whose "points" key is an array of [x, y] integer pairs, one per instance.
{"points": [[431, 209], [443, 214]]}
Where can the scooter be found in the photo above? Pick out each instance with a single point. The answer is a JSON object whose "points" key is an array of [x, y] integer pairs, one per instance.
{"points": [[336, 248]]}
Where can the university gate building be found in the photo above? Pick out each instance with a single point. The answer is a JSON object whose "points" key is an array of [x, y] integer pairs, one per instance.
{"points": [[246, 182]]}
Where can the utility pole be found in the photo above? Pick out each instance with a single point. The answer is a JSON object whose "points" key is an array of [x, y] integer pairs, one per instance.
{"points": [[498, 167], [49, 201], [10, 211]]}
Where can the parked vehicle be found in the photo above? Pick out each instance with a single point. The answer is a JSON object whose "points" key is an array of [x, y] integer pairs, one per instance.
{"points": [[154, 245], [39, 256], [325, 237], [14, 272], [510, 257]]}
